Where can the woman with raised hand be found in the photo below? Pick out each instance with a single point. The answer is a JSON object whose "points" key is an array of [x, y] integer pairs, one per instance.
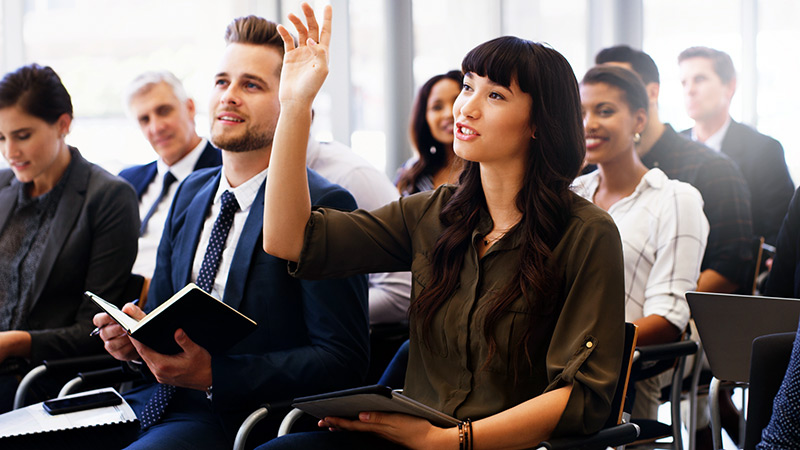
{"points": [[661, 221], [432, 135], [517, 312], [66, 226]]}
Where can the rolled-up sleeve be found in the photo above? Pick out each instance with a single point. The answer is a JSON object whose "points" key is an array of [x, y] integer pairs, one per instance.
{"points": [[587, 345]]}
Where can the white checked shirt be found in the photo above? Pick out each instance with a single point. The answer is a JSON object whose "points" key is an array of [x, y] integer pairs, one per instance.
{"points": [[664, 234], [245, 195]]}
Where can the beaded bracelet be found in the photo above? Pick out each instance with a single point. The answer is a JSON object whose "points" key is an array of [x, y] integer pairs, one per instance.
{"points": [[461, 436]]}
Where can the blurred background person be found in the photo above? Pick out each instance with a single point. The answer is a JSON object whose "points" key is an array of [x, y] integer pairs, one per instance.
{"points": [[66, 226], [165, 114], [432, 137], [709, 82]]}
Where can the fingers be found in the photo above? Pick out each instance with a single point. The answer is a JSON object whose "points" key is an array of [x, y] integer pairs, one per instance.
{"points": [[133, 311], [312, 30], [325, 36], [101, 320], [302, 31], [288, 40]]}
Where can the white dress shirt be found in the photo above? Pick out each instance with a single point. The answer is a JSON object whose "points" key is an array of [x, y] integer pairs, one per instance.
{"points": [[145, 263], [245, 195], [389, 293], [714, 142], [664, 234]]}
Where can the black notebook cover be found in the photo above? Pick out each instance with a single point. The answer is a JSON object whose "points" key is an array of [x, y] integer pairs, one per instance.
{"points": [[207, 321]]}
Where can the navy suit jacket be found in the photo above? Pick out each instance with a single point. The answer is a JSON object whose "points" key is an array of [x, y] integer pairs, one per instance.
{"points": [[141, 176], [761, 161], [91, 246], [312, 336]]}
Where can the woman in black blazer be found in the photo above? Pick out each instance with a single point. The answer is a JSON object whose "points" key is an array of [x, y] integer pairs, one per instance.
{"points": [[66, 226]]}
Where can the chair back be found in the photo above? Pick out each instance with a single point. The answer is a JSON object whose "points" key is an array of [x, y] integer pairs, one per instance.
{"points": [[771, 354], [615, 417]]}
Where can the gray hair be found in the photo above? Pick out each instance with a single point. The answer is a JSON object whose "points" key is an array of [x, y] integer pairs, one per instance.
{"points": [[148, 80]]}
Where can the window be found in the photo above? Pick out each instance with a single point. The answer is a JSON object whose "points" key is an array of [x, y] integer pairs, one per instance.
{"points": [[670, 27], [776, 47]]}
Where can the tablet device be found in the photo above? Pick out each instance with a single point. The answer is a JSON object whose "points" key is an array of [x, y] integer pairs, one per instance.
{"points": [[349, 402], [728, 323]]}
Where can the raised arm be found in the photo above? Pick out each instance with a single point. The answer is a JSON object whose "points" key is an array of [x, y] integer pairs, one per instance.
{"points": [[287, 205]]}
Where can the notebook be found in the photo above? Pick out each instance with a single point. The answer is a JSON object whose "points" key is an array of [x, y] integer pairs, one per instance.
{"points": [[728, 323]]}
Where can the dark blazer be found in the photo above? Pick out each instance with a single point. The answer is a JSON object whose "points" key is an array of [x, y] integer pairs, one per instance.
{"points": [[761, 161], [141, 176], [91, 246], [784, 278], [312, 336]]}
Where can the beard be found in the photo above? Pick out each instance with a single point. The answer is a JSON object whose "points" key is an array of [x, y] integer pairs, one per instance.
{"points": [[249, 141]]}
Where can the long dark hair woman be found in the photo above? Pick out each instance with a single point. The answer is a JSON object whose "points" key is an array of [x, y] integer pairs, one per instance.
{"points": [[431, 133], [66, 226], [517, 319]]}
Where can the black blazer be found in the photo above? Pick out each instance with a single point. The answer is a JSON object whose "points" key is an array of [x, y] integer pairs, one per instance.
{"points": [[761, 161], [141, 176], [91, 246]]}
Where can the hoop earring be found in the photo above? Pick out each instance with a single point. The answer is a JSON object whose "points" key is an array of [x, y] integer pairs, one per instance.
{"points": [[637, 138]]}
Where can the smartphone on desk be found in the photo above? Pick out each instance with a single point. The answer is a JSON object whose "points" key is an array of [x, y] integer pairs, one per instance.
{"points": [[81, 402]]}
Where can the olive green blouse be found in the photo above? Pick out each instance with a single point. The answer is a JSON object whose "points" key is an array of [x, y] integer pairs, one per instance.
{"points": [[579, 344]]}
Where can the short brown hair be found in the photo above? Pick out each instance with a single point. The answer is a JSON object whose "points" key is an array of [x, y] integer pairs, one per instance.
{"points": [[721, 61], [254, 30]]}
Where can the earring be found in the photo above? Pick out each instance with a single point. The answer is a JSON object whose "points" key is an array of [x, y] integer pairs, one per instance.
{"points": [[637, 138], [432, 150]]}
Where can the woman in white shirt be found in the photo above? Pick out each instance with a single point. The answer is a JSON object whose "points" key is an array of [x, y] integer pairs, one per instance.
{"points": [[661, 221]]}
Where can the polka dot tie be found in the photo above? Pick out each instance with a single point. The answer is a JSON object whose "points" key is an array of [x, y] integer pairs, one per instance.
{"points": [[219, 234], [154, 409]]}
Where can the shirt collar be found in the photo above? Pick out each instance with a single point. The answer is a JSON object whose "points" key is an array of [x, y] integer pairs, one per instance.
{"points": [[185, 166], [245, 193], [714, 141]]}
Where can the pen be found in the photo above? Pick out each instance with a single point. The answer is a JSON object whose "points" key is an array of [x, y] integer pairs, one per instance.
{"points": [[96, 331]]}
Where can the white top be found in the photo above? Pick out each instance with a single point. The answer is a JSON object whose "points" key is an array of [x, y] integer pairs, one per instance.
{"points": [[714, 142], [145, 263], [664, 234], [245, 195], [389, 293]]}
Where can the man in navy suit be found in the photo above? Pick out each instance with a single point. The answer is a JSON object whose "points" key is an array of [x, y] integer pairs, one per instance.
{"points": [[165, 114], [709, 82], [312, 336]]}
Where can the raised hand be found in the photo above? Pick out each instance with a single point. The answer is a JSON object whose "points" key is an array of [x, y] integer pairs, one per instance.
{"points": [[305, 66]]}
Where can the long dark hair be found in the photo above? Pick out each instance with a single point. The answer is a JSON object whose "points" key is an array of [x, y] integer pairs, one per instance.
{"points": [[36, 90], [429, 161], [556, 155]]}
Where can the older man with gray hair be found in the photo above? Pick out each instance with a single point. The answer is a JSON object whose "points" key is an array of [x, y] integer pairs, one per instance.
{"points": [[165, 114]]}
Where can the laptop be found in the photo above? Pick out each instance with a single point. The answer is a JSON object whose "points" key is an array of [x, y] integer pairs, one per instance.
{"points": [[727, 325]]}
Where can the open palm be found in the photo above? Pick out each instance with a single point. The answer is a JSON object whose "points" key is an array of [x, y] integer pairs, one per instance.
{"points": [[305, 65]]}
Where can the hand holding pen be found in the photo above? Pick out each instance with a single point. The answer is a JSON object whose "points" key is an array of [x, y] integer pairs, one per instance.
{"points": [[96, 331]]}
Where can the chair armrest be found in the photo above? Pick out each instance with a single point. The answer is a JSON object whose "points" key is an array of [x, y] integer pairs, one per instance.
{"points": [[254, 418], [69, 366], [608, 437], [665, 351]]}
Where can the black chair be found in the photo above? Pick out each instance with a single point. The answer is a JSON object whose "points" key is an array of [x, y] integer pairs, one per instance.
{"points": [[653, 360], [770, 357]]}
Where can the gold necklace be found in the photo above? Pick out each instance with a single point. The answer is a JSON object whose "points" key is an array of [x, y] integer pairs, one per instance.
{"points": [[487, 241]]}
